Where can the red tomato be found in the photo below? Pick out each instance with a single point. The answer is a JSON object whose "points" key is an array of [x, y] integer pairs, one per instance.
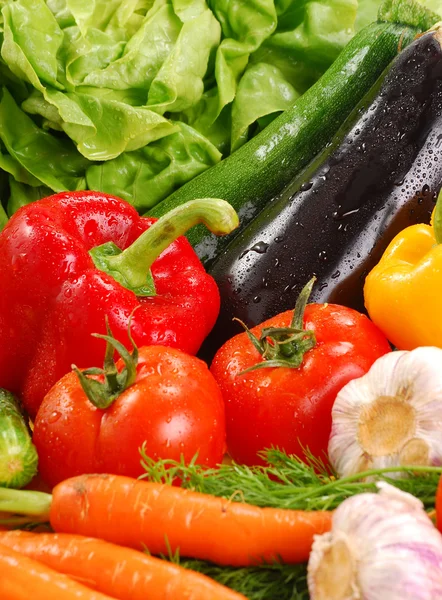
{"points": [[174, 406], [439, 506], [291, 407]]}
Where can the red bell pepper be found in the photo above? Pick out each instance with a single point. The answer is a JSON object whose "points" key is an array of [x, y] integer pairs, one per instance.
{"points": [[62, 271]]}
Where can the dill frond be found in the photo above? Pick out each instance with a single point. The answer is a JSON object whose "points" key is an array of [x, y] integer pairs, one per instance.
{"points": [[265, 582], [288, 482]]}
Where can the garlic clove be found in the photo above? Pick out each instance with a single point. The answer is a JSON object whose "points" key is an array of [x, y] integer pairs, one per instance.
{"points": [[391, 416], [381, 547], [333, 564]]}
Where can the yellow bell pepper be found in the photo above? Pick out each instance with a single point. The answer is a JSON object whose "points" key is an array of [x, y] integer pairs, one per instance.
{"points": [[403, 293]]}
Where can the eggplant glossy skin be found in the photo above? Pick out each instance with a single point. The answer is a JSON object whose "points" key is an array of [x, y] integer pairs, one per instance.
{"points": [[381, 174]]}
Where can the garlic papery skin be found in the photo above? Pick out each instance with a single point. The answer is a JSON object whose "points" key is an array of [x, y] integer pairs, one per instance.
{"points": [[390, 416], [381, 547]]}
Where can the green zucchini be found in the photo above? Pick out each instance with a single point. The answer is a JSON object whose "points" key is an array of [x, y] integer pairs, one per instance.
{"points": [[18, 455], [260, 169]]}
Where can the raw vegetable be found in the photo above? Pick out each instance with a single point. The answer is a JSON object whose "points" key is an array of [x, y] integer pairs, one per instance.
{"points": [[433, 5], [280, 379], [286, 482], [261, 582], [401, 291], [381, 546], [140, 97], [18, 456], [63, 269], [119, 572], [380, 174], [167, 400], [390, 416], [23, 578], [256, 173], [163, 518]]}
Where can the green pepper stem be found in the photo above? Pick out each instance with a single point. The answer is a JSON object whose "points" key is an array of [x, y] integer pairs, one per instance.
{"points": [[437, 220], [135, 262], [25, 502]]}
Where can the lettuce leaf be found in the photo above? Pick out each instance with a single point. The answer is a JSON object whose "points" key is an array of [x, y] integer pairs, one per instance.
{"points": [[21, 195], [367, 13], [142, 56], [144, 177], [53, 162], [262, 91], [37, 33], [434, 5]]}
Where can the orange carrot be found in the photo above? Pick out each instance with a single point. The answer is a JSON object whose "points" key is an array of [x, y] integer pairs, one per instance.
{"points": [[141, 514], [116, 571], [22, 578]]}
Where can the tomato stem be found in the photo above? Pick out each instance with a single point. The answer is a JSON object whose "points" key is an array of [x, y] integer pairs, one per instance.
{"points": [[104, 391], [301, 303], [285, 346]]}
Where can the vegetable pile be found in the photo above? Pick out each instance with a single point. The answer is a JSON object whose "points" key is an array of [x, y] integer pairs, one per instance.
{"points": [[238, 396], [137, 98]]}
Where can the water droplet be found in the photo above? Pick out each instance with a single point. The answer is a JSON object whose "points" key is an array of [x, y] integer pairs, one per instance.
{"points": [[260, 248], [306, 186], [54, 416], [337, 215], [112, 221]]}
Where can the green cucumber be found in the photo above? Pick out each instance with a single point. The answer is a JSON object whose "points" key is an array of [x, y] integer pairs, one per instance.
{"points": [[18, 455], [260, 169]]}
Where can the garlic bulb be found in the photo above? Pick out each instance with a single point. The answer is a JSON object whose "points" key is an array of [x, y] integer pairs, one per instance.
{"points": [[381, 547], [391, 416]]}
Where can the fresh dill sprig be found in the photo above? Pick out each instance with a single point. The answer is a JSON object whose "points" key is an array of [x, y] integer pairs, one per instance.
{"points": [[273, 581], [287, 482], [265, 582]]}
